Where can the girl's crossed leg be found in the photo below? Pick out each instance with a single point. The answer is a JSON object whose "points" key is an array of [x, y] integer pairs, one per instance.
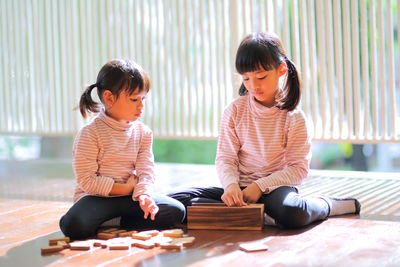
{"points": [[85, 217], [284, 205]]}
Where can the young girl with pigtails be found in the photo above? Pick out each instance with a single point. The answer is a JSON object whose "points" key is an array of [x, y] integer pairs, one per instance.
{"points": [[263, 150], [113, 160]]}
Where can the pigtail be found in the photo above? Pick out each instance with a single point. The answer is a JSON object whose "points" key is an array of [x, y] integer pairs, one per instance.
{"points": [[242, 90], [289, 97], [86, 103]]}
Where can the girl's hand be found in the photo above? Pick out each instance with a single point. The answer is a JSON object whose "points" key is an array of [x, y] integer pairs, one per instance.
{"points": [[252, 193], [132, 181], [233, 196], [126, 188], [148, 206]]}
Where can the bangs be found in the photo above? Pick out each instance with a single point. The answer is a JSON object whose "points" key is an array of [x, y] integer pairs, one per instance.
{"points": [[253, 54], [135, 80]]}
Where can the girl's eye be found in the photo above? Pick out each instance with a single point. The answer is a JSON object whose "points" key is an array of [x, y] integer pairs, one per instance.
{"points": [[245, 79], [133, 99], [262, 78]]}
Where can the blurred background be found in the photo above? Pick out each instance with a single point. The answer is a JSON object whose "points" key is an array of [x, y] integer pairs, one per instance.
{"points": [[52, 156], [347, 53]]}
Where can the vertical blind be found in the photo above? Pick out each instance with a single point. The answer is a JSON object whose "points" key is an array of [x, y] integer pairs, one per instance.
{"points": [[347, 53]]}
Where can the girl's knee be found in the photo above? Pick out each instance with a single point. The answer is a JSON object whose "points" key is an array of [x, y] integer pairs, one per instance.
{"points": [[76, 227], [292, 217], [172, 213]]}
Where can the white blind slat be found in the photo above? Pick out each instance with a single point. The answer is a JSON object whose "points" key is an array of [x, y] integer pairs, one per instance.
{"points": [[345, 50]]}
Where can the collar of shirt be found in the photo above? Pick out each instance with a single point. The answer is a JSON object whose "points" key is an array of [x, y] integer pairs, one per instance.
{"points": [[259, 110], [116, 125]]}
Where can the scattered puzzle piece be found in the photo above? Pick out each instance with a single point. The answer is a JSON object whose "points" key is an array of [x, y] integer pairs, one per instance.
{"points": [[253, 247], [81, 245], [51, 249], [143, 244], [173, 233], [160, 239], [125, 234], [171, 246], [119, 246], [63, 243], [150, 232], [105, 236], [184, 241], [108, 230], [116, 239], [117, 232], [53, 241], [100, 243], [141, 236]]}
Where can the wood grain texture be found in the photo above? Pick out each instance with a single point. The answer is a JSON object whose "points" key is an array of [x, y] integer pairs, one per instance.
{"points": [[219, 216]]}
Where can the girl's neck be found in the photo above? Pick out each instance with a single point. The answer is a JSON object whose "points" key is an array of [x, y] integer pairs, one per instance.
{"points": [[111, 116], [269, 104]]}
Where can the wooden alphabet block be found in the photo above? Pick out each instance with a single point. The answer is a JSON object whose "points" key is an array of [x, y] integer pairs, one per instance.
{"points": [[253, 247], [63, 243], [125, 234], [121, 246], [184, 241], [100, 243], [160, 239], [117, 232], [150, 232], [219, 216], [143, 244], [105, 236], [173, 233], [53, 241], [81, 245], [51, 249], [108, 230], [141, 236], [171, 246]]}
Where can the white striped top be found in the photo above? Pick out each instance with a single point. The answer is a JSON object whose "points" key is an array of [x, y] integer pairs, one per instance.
{"points": [[268, 146], [107, 151]]}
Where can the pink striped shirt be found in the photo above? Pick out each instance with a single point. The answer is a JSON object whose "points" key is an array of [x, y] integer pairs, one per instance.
{"points": [[268, 146], [107, 151]]}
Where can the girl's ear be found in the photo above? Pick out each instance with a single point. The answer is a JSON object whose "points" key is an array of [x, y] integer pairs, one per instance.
{"points": [[108, 98], [282, 69]]}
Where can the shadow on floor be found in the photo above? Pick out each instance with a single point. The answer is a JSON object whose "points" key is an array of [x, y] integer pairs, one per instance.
{"points": [[29, 252]]}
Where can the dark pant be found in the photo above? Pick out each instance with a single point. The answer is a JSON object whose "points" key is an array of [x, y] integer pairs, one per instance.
{"points": [[284, 204], [84, 218]]}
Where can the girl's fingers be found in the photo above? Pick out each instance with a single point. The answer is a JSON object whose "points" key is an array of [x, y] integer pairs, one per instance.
{"points": [[239, 200], [153, 213], [146, 214]]}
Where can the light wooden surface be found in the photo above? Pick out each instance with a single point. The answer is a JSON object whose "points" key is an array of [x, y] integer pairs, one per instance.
{"points": [[340, 241], [30, 209]]}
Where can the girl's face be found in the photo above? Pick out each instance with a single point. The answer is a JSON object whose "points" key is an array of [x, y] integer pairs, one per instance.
{"points": [[126, 107], [262, 84]]}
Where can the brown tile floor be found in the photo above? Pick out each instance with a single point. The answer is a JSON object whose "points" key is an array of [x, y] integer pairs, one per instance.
{"points": [[31, 206]]}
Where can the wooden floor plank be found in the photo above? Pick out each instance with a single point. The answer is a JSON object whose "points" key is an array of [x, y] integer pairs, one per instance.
{"points": [[30, 217]]}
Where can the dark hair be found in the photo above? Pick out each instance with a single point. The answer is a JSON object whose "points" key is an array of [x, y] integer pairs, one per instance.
{"points": [[266, 50], [115, 76]]}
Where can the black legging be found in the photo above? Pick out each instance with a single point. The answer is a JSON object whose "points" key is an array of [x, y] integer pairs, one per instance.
{"points": [[84, 218], [284, 204]]}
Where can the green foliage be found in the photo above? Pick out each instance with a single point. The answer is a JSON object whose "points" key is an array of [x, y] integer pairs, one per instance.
{"points": [[185, 151]]}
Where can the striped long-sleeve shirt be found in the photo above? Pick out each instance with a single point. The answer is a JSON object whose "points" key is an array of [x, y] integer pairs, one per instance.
{"points": [[107, 151], [267, 146]]}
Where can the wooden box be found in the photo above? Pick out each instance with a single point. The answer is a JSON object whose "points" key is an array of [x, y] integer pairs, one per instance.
{"points": [[219, 216]]}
